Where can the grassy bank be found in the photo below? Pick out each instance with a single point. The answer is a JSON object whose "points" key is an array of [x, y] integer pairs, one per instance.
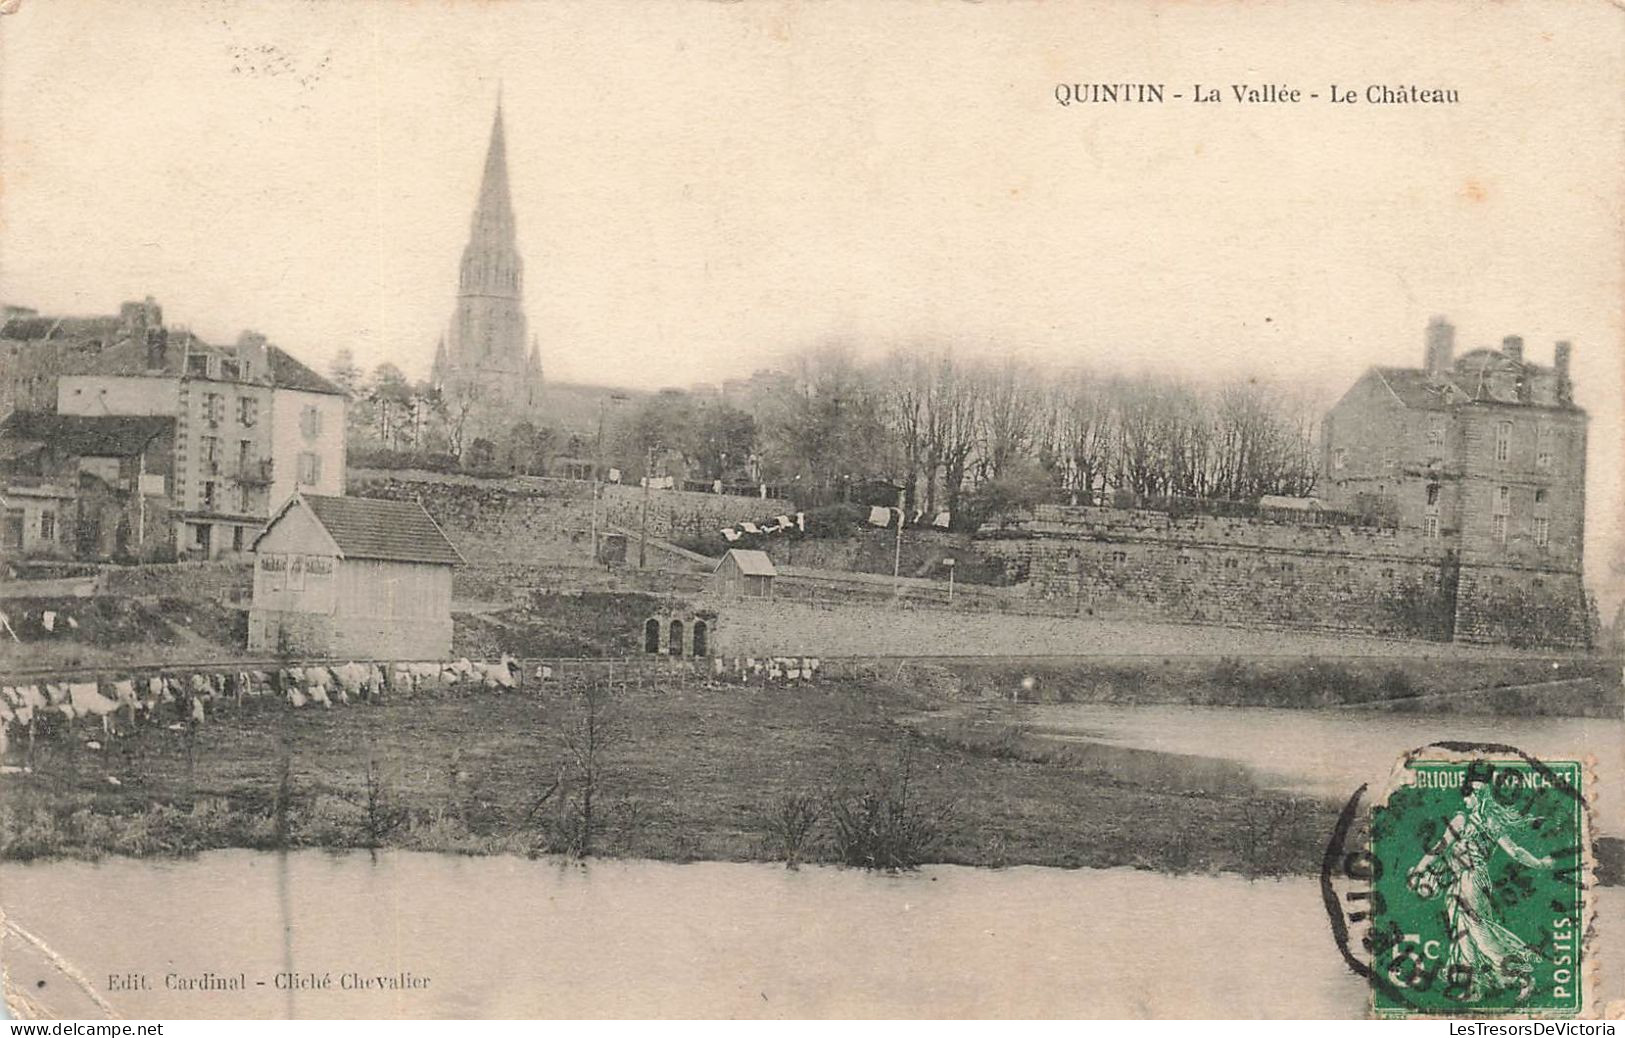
{"points": [[822, 773], [1517, 686]]}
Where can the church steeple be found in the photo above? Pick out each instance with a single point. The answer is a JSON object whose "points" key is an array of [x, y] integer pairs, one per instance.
{"points": [[483, 360], [491, 263]]}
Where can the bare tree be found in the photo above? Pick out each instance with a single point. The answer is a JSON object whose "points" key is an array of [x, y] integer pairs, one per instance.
{"points": [[951, 429], [1085, 435], [1008, 409]]}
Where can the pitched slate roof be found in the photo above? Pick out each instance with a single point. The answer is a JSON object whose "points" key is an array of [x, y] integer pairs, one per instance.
{"points": [[374, 528], [288, 373], [1415, 388], [1481, 375], [130, 358], [750, 562], [34, 326], [97, 436]]}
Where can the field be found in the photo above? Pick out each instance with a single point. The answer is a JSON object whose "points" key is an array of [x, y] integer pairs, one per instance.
{"points": [[683, 771]]}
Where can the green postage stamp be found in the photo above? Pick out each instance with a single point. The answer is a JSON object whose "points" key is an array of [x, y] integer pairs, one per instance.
{"points": [[1479, 887]]}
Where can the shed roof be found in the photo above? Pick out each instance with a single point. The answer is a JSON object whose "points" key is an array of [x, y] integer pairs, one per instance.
{"points": [[97, 436], [752, 563], [375, 528]]}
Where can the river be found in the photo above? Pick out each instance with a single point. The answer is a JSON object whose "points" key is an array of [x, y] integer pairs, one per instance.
{"points": [[1330, 753], [515, 937]]}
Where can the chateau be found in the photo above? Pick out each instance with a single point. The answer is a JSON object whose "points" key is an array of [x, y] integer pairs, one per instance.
{"points": [[481, 367]]}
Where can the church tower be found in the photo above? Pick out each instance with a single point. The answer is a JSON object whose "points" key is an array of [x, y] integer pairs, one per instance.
{"points": [[481, 366]]}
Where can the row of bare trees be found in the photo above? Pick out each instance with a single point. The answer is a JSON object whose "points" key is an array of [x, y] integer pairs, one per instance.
{"points": [[1005, 431], [944, 427]]}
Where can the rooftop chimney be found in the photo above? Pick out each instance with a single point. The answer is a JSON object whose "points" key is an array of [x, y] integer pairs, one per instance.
{"points": [[157, 341], [252, 355], [1562, 353], [1441, 346], [1512, 348]]}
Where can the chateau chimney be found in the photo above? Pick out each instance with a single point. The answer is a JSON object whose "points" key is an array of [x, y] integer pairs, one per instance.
{"points": [[1441, 346], [1562, 353], [1512, 348]]}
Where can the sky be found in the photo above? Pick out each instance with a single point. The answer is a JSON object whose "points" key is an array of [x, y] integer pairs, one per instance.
{"points": [[704, 188]]}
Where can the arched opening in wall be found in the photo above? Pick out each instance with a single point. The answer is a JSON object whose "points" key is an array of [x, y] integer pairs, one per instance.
{"points": [[675, 645], [651, 635], [700, 632]]}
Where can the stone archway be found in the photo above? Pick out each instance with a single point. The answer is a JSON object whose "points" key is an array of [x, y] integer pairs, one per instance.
{"points": [[701, 633], [674, 646]]}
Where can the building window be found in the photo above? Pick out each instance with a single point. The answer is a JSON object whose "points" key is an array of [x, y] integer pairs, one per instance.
{"points": [[47, 526], [211, 453], [1231, 563], [209, 494], [1543, 531], [200, 536], [214, 408], [310, 422], [1436, 426], [1119, 557], [1503, 501], [229, 370], [1430, 527], [1543, 447], [1503, 441], [248, 410], [197, 364], [310, 469], [1433, 498], [1540, 498], [1498, 528], [236, 538], [1340, 458], [245, 457]]}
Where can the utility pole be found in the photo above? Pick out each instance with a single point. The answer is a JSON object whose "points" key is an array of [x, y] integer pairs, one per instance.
{"points": [[597, 466], [897, 557], [597, 463], [643, 526], [950, 564]]}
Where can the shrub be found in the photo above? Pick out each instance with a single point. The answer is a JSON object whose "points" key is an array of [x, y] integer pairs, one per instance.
{"points": [[881, 828], [789, 826]]}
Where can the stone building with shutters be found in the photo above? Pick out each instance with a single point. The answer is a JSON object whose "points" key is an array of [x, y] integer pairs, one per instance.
{"points": [[252, 426], [1484, 455], [352, 577]]}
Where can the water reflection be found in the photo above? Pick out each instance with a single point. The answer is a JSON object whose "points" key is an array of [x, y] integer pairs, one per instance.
{"points": [[1331, 752]]}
